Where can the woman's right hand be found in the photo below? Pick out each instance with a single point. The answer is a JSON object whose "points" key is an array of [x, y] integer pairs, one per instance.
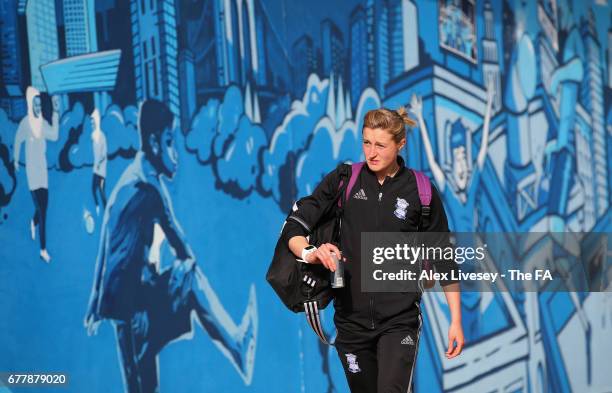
{"points": [[323, 256]]}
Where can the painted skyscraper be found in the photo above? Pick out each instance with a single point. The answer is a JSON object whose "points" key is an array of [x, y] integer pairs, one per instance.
{"points": [[11, 92], [261, 37], [403, 37], [187, 86], [42, 38], [378, 27], [213, 40], [332, 48], [592, 98], [234, 42], [548, 44], [304, 63], [358, 40], [490, 63], [370, 37], [410, 31], [240, 39], [80, 25], [9, 49], [584, 169], [154, 44]]}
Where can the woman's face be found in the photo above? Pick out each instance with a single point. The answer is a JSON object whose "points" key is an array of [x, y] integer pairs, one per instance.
{"points": [[380, 150]]}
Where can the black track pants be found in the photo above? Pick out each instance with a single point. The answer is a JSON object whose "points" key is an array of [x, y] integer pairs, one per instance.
{"points": [[379, 361]]}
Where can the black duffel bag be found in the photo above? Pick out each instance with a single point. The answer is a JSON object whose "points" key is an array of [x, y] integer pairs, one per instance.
{"points": [[301, 286]]}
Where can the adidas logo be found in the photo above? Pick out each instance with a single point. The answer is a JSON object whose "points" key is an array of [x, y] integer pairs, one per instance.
{"points": [[360, 195], [408, 340]]}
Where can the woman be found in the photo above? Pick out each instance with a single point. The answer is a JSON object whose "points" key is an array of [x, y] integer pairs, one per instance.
{"points": [[378, 333], [34, 131]]}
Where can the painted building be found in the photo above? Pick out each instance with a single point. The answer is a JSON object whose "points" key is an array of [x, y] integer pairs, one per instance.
{"points": [[42, 37], [269, 102], [11, 52], [154, 43], [80, 27]]}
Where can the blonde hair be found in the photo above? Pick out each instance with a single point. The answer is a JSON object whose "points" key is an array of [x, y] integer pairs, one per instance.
{"points": [[394, 122]]}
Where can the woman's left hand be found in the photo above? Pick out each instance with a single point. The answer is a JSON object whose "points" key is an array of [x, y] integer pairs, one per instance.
{"points": [[455, 336], [323, 255]]}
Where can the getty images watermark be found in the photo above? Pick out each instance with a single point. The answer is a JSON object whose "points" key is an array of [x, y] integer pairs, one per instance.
{"points": [[535, 262]]}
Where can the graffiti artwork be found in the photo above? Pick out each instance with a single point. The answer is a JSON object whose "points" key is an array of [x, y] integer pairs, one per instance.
{"points": [[151, 149]]}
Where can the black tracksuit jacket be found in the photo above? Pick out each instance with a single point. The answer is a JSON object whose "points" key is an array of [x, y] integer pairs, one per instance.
{"points": [[372, 213]]}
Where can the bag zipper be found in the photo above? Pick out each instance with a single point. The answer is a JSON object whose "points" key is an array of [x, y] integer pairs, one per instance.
{"points": [[301, 222], [372, 312]]}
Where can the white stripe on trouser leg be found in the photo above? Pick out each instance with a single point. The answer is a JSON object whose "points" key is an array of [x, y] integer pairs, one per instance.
{"points": [[309, 316], [318, 320], [312, 316], [307, 312], [416, 349]]}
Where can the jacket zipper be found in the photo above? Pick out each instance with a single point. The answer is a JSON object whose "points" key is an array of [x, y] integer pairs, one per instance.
{"points": [[380, 195]]}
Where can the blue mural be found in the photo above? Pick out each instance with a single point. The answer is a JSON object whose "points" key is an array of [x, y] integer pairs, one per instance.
{"points": [[151, 149]]}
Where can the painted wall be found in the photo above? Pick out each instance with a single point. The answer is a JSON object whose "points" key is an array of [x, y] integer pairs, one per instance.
{"points": [[268, 96]]}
